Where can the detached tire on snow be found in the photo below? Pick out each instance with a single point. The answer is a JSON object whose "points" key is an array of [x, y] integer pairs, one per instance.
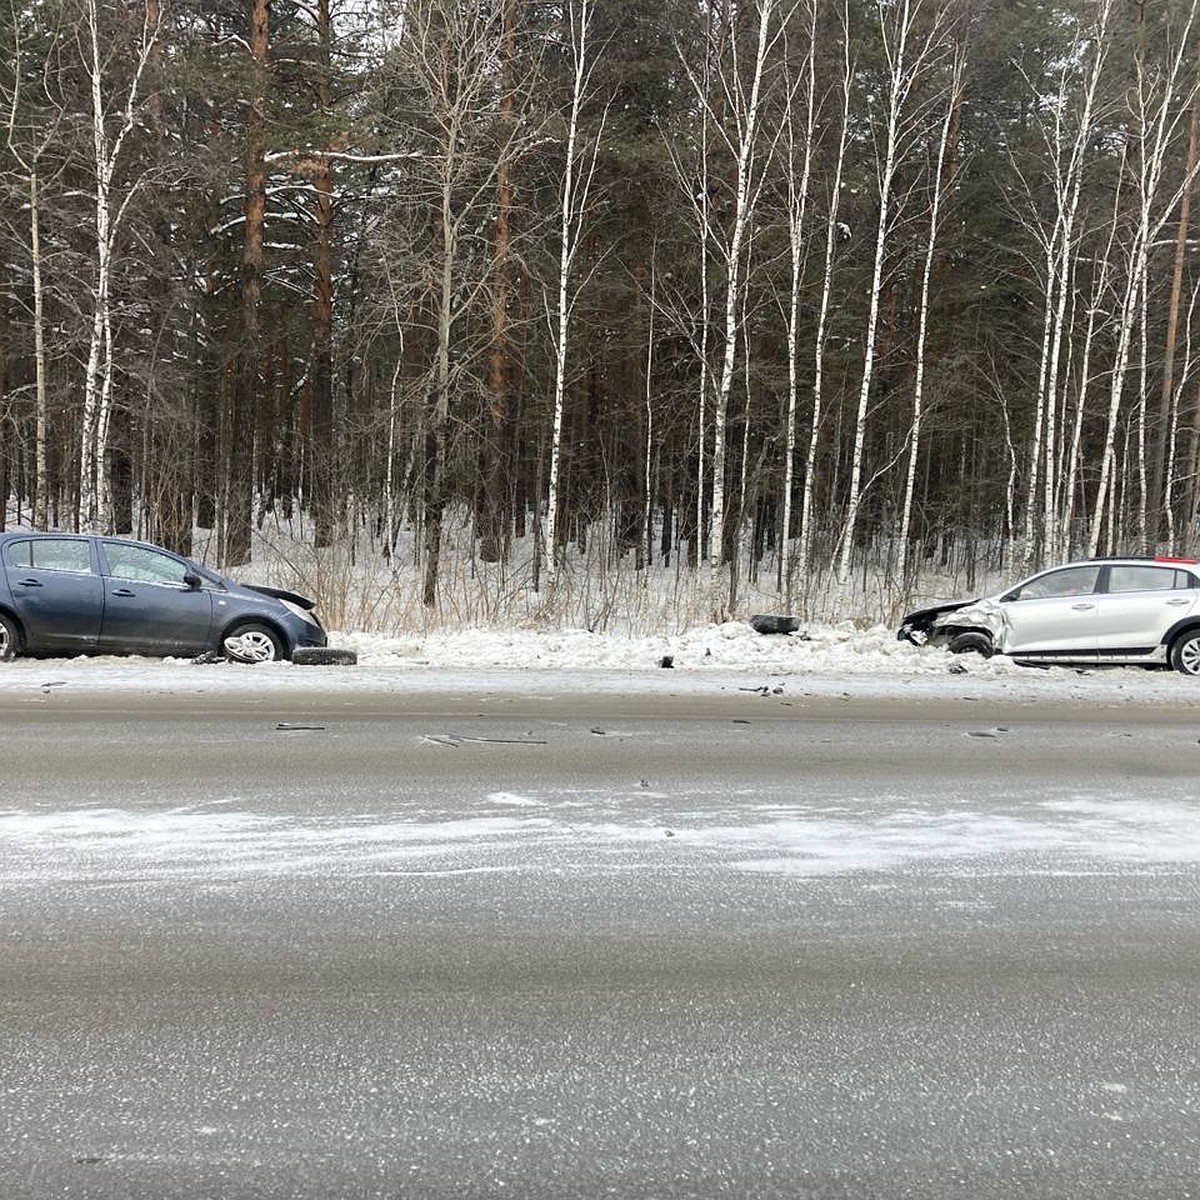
{"points": [[971, 643], [324, 656], [774, 623]]}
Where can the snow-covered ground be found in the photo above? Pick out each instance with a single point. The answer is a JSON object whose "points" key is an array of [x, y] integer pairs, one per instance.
{"points": [[821, 659]]}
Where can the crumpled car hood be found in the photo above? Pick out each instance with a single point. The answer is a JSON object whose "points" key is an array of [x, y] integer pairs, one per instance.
{"points": [[279, 594], [982, 614]]}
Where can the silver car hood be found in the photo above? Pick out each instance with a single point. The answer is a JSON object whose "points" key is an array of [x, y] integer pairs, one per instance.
{"points": [[983, 614]]}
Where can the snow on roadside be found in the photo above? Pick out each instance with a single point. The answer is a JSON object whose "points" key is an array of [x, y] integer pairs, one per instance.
{"points": [[823, 659]]}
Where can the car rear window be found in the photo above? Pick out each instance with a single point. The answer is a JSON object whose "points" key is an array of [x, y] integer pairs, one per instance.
{"points": [[51, 554], [1147, 579]]}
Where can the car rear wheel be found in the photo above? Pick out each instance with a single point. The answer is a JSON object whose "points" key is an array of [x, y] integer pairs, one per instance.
{"points": [[252, 644], [1185, 652], [9, 639], [971, 643]]}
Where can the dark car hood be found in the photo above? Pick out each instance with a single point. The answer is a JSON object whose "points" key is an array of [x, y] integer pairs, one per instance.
{"points": [[279, 594]]}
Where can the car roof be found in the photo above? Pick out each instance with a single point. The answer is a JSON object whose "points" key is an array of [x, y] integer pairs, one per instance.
{"points": [[1133, 560], [42, 534]]}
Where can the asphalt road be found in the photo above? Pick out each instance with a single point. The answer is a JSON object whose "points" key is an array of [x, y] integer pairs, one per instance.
{"points": [[581, 946]]}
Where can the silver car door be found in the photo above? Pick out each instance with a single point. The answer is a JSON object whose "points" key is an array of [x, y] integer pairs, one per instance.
{"points": [[1053, 613], [1140, 604]]}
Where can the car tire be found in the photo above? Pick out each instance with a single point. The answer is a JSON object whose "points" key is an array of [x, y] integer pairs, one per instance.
{"points": [[324, 656], [252, 643], [10, 639], [971, 642], [1185, 652]]}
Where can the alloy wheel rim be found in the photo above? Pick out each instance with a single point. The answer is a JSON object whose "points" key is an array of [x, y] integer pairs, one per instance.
{"points": [[254, 646], [1189, 656]]}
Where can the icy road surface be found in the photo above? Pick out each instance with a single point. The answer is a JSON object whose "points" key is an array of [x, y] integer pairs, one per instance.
{"points": [[330, 934]]}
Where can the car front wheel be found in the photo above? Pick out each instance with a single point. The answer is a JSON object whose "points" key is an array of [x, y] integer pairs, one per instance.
{"points": [[1185, 652], [252, 644], [970, 643], [9, 641]]}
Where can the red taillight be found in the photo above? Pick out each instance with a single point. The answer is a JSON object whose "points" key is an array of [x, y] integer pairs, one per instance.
{"points": [[1171, 559]]}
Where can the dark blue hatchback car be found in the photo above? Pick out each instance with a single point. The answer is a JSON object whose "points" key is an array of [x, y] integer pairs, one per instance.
{"points": [[64, 593]]}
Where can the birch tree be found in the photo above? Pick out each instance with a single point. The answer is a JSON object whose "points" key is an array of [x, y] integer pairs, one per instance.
{"points": [[1158, 114], [832, 224], [940, 184], [95, 505], [450, 51], [798, 181], [579, 169], [1067, 136], [493, 532], [28, 140], [908, 53], [741, 90], [1162, 450]]}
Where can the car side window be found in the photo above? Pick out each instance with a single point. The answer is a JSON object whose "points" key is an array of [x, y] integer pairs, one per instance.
{"points": [[52, 554], [141, 565], [1073, 581], [1143, 579]]}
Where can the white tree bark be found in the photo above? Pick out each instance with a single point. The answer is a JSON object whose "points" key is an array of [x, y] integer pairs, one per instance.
{"points": [[742, 141], [903, 67], [1160, 104], [1185, 371], [1068, 186], [578, 172], [831, 236], [28, 159], [797, 210], [94, 499], [935, 208], [648, 478], [41, 494]]}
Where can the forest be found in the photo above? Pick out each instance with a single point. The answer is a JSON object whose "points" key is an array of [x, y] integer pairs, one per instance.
{"points": [[538, 301]]}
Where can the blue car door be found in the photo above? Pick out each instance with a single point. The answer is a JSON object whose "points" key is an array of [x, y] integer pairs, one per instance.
{"points": [[148, 608], [56, 591]]}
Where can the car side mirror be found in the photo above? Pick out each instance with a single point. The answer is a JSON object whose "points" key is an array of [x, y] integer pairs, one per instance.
{"points": [[192, 581]]}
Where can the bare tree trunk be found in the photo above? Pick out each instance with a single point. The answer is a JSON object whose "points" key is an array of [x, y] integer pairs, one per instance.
{"points": [[831, 237], [914, 442], [1168, 391], [244, 400], [1169, 479], [745, 146], [322, 449], [95, 501], [435, 504], [1157, 120], [41, 492], [493, 531], [647, 477], [902, 72], [797, 208], [574, 201]]}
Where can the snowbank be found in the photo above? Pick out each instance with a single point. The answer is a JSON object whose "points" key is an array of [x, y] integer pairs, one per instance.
{"points": [[822, 659]]}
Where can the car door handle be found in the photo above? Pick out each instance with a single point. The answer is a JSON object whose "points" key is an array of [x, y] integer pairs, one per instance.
{"points": [[1083, 607], [1179, 603], [29, 582], [123, 592]]}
